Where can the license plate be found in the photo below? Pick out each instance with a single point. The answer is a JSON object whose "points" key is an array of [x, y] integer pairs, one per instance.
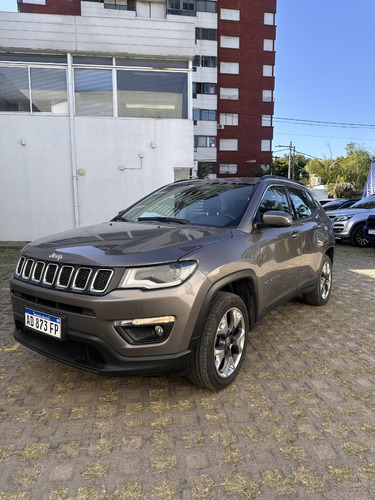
{"points": [[371, 231], [43, 323]]}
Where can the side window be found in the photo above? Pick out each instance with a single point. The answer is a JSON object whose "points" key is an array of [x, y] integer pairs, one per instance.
{"points": [[274, 198], [303, 204]]}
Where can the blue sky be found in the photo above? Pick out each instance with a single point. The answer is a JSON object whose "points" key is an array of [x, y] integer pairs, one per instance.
{"points": [[325, 72]]}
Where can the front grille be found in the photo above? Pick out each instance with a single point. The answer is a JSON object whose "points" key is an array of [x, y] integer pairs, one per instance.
{"points": [[72, 348], [63, 276]]}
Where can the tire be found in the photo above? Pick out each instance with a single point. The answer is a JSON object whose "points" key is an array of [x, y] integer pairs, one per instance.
{"points": [[357, 238], [320, 295], [222, 345]]}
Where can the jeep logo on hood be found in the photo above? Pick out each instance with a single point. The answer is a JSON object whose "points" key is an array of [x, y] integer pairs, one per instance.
{"points": [[56, 256]]}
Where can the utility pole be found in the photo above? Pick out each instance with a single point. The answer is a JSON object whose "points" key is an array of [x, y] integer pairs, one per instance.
{"points": [[291, 157], [290, 160]]}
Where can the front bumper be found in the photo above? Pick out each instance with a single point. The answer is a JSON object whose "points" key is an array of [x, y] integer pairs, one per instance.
{"points": [[94, 355], [90, 339], [341, 230]]}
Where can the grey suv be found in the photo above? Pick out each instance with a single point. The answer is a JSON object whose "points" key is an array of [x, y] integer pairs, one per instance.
{"points": [[175, 282], [348, 223]]}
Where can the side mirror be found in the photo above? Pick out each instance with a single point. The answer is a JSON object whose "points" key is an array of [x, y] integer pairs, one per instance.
{"points": [[277, 218]]}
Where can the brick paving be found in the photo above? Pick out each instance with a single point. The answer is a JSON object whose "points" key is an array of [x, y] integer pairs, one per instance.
{"points": [[299, 422]]}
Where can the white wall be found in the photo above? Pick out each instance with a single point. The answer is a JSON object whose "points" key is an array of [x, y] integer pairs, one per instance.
{"points": [[36, 179], [104, 190], [36, 189], [110, 34]]}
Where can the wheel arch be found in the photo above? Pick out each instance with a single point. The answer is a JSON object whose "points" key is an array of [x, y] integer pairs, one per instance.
{"points": [[241, 283]]}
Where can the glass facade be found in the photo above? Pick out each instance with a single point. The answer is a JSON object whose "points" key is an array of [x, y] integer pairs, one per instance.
{"points": [[102, 86]]}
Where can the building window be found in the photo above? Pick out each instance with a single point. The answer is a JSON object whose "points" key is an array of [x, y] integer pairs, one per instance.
{"points": [[269, 18], [35, 2], [14, 89], [119, 4], [152, 94], [93, 92], [229, 119], [205, 168], [268, 45], [266, 121], [267, 96], [229, 14], [230, 42], [205, 34], [204, 141], [205, 61], [267, 70], [208, 61], [204, 88], [265, 145], [230, 68], [181, 7], [44, 92], [228, 168], [204, 115], [229, 93], [206, 6], [228, 144], [48, 90]]}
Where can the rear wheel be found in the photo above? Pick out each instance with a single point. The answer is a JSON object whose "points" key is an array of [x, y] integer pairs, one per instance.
{"points": [[222, 346], [320, 295], [357, 237]]}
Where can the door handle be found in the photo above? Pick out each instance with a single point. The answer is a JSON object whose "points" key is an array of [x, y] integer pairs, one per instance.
{"points": [[296, 234]]}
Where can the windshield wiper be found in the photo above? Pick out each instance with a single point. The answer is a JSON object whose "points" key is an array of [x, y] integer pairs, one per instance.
{"points": [[164, 219]]}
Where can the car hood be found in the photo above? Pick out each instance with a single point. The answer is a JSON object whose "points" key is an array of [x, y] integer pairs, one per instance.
{"points": [[349, 211], [125, 243]]}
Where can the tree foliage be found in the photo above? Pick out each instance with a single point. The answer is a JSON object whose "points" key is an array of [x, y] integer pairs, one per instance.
{"points": [[345, 174]]}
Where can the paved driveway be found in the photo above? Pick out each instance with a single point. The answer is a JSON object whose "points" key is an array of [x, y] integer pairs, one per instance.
{"points": [[298, 423]]}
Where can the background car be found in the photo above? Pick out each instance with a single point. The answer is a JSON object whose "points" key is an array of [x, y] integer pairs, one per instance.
{"points": [[369, 230], [338, 204], [348, 223]]}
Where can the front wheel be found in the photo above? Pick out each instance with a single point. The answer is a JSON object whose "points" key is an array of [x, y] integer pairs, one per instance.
{"points": [[357, 238], [222, 346], [320, 295]]}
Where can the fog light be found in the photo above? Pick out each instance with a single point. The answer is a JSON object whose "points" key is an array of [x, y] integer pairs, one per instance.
{"points": [[145, 330], [159, 330]]}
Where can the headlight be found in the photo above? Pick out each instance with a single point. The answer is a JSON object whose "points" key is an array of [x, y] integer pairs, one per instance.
{"points": [[162, 276], [342, 218]]}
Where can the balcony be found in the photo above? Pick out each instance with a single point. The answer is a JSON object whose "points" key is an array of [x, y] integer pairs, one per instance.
{"points": [[116, 4]]}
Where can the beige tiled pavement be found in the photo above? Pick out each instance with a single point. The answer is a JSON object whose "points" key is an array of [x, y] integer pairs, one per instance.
{"points": [[299, 422]]}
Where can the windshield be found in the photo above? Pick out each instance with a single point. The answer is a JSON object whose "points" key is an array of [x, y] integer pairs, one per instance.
{"points": [[368, 202], [212, 204]]}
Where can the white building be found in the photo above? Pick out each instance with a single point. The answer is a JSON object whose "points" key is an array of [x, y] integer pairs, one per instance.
{"points": [[95, 113]]}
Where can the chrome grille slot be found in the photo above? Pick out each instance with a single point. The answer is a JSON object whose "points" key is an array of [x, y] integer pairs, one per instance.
{"points": [[50, 274], [38, 271], [64, 276], [20, 266], [81, 278], [101, 280], [27, 269]]}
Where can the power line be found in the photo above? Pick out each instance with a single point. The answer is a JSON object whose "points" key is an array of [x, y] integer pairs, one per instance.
{"points": [[322, 123]]}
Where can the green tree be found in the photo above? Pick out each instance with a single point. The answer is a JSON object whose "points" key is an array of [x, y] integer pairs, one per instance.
{"points": [[356, 165], [346, 174]]}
